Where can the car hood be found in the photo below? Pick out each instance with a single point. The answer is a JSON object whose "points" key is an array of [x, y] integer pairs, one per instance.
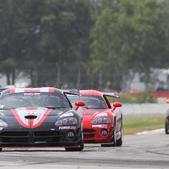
{"points": [[31, 117], [90, 114]]}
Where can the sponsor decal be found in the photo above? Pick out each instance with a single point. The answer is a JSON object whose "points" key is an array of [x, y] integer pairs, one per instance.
{"points": [[67, 127], [100, 126]]}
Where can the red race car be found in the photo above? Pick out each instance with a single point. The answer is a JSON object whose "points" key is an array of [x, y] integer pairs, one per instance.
{"points": [[102, 120]]}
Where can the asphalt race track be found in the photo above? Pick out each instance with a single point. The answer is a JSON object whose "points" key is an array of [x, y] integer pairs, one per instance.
{"points": [[148, 151]]}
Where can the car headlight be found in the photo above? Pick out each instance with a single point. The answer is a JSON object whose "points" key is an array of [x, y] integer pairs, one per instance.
{"points": [[67, 121], [3, 124], [102, 120]]}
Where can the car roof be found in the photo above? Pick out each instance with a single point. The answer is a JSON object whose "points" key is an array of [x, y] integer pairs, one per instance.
{"points": [[91, 93], [31, 90]]}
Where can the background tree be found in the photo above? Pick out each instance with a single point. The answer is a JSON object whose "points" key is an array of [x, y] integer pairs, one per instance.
{"points": [[127, 38], [83, 43]]}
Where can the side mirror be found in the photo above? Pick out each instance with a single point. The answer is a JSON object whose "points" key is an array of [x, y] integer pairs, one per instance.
{"points": [[167, 101], [79, 103], [117, 104]]}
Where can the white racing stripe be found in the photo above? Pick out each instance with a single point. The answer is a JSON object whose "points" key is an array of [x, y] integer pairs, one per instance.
{"points": [[44, 89], [19, 90]]}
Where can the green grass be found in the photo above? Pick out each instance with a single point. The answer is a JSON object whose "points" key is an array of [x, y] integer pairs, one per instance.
{"points": [[138, 124]]}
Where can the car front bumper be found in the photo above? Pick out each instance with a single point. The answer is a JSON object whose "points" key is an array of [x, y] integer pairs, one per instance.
{"points": [[97, 135], [35, 138]]}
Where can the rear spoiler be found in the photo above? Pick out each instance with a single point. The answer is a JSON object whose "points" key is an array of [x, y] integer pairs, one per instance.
{"points": [[71, 91], [116, 95]]}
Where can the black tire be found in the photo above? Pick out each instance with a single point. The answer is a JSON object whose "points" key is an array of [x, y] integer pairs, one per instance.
{"points": [[166, 127], [119, 142], [115, 142], [79, 148], [0, 149]]}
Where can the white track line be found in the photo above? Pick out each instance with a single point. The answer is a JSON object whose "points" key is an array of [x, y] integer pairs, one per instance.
{"points": [[151, 132]]}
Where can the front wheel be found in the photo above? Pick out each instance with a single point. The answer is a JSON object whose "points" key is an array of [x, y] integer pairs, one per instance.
{"points": [[119, 142], [116, 141], [113, 142], [166, 127]]}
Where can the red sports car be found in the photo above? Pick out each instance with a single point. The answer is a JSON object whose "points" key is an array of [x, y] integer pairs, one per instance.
{"points": [[102, 120]]}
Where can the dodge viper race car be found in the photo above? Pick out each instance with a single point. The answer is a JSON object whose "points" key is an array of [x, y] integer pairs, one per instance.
{"points": [[39, 117], [102, 120]]}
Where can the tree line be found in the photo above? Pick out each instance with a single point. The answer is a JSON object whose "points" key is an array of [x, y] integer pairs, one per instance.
{"points": [[83, 43]]}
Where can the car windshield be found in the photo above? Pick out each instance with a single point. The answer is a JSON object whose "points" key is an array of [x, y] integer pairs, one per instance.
{"points": [[91, 102], [48, 100]]}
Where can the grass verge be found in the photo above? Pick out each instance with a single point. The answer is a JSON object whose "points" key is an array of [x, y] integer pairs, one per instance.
{"points": [[134, 125]]}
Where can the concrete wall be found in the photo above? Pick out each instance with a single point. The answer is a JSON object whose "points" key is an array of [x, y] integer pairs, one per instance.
{"points": [[139, 109]]}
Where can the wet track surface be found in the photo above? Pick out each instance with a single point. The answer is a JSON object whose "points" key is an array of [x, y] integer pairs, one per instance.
{"points": [[139, 151]]}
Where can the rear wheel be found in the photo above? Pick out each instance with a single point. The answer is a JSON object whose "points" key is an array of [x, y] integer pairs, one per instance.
{"points": [[166, 127], [0, 149], [79, 148]]}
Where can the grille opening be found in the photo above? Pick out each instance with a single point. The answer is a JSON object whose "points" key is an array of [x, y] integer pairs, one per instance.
{"points": [[88, 135], [14, 133], [47, 140], [15, 140], [46, 133], [88, 130]]}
